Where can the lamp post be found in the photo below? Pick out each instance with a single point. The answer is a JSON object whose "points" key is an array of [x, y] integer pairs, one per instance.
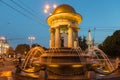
{"points": [[31, 38], [48, 9]]}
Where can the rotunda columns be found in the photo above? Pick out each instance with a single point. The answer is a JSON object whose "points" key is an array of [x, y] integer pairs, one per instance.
{"points": [[70, 37], [52, 38], [57, 38], [76, 39]]}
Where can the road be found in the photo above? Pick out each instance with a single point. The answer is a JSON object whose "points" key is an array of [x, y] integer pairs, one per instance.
{"points": [[6, 69]]}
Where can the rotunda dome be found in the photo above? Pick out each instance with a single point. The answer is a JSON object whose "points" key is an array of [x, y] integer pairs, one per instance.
{"points": [[64, 8]]}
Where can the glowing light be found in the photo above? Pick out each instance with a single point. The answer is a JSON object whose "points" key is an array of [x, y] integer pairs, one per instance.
{"points": [[101, 75], [75, 66], [94, 64], [33, 75], [106, 71], [50, 13], [6, 73], [45, 11], [47, 7], [54, 6], [31, 38], [30, 69], [53, 65]]}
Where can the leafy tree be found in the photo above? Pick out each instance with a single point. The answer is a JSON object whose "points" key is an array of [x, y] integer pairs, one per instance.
{"points": [[37, 45], [111, 45], [82, 42], [10, 51], [22, 48], [34, 45]]}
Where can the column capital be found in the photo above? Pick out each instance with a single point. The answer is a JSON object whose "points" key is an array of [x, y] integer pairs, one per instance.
{"points": [[52, 30], [77, 29]]}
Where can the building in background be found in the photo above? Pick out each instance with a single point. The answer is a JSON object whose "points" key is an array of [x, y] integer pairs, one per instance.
{"points": [[4, 46]]}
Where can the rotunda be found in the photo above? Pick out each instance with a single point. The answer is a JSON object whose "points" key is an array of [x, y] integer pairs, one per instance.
{"points": [[64, 28]]}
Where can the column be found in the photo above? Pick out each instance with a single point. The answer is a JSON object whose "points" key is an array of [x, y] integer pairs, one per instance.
{"points": [[52, 38], [75, 44], [57, 38], [70, 37], [76, 38]]}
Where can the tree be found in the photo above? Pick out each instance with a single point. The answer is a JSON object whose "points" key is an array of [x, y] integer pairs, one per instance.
{"points": [[10, 51], [22, 48], [111, 45], [37, 45], [82, 42]]}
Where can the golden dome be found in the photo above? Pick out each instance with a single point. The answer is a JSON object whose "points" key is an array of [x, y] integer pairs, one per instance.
{"points": [[64, 8], [66, 13]]}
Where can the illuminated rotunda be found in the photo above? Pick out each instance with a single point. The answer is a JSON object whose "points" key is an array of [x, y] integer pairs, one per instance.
{"points": [[64, 27]]}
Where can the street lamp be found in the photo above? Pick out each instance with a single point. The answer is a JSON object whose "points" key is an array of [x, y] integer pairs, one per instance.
{"points": [[48, 9], [31, 38]]}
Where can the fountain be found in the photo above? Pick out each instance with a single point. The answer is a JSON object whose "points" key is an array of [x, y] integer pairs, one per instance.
{"points": [[65, 59]]}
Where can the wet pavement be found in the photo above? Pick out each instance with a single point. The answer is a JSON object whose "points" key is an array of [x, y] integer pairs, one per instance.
{"points": [[6, 68], [7, 71]]}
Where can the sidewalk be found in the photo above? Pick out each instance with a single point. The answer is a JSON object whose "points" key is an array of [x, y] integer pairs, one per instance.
{"points": [[6, 70]]}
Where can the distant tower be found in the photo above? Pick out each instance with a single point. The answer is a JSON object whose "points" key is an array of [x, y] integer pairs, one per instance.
{"points": [[64, 27], [89, 41]]}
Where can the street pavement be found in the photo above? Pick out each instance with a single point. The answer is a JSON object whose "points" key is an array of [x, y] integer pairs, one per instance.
{"points": [[6, 68]]}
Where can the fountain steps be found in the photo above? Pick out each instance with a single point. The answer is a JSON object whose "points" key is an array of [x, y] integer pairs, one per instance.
{"points": [[61, 55], [67, 78], [62, 50], [61, 63], [23, 77]]}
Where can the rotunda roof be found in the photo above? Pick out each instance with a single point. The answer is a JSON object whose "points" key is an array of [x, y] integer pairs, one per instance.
{"points": [[64, 8]]}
